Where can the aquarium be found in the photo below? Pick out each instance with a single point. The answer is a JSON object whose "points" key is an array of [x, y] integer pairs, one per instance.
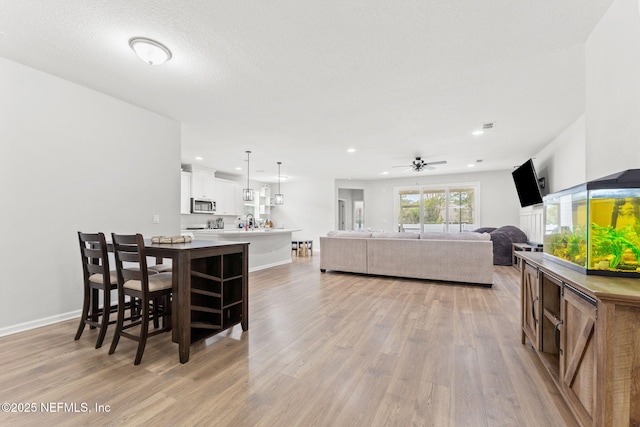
{"points": [[595, 227]]}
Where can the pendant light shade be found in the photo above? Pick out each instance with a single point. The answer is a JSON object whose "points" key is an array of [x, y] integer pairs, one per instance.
{"points": [[279, 197], [247, 193]]}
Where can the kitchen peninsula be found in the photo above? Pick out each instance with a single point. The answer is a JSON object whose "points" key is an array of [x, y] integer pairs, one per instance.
{"points": [[268, 247]]}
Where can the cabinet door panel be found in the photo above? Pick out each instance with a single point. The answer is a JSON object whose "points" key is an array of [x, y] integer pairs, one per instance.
{"points": [[530, 304], [578, 357]]}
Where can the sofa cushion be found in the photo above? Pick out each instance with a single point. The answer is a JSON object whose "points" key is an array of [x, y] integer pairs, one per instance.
{"points": [[466, 235], [381, 235], [350, 234]]}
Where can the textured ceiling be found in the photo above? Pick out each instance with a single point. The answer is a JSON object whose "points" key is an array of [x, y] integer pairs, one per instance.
{"points": [[300, 82]]}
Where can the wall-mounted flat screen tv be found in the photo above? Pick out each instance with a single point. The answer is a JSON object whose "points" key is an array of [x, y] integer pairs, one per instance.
{"points": [[527, 186]]}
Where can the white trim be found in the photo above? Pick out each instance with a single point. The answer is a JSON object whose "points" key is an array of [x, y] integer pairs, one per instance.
{"points": [[265, 266], [21, 327]]}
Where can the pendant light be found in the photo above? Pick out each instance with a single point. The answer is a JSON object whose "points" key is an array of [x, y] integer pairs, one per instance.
{"points": [[247, 193], [279, 196]]}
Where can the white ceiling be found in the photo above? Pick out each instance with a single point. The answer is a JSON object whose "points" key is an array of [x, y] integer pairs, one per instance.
{"points": [[300, 82]]}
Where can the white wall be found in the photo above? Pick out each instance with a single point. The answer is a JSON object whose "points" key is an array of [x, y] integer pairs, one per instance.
{"points": [[562, 162], [613, 92], [73, 159], [498, 201], [309, 205]]}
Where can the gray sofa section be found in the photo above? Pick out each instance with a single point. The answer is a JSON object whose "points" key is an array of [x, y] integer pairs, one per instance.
{"points": [[454, 257]]}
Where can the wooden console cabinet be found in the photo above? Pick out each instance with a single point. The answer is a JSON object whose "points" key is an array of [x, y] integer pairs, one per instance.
{"points": [[586, 331]]}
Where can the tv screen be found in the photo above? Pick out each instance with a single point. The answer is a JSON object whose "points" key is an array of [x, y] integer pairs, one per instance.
{"points": [[527, 186]]}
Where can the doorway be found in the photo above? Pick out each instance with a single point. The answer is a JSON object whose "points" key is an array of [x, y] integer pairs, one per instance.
{"points": [[350, 215]]}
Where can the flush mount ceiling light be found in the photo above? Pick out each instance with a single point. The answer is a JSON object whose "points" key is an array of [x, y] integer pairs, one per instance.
{"points": [[150, 51], [247, 193], [279, 196]]}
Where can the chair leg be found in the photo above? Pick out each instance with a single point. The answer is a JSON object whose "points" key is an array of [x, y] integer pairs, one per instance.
{"points": [[166, 319], [144, 331], [95, 297], [85, 313], [119, 323], [156, 320], [106, 311]]}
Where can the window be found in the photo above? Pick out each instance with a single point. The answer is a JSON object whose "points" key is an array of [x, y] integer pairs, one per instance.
{"points": [[448, 207]]}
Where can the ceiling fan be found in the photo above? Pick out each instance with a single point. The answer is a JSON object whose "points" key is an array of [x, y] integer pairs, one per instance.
{"points": [[418, 164]]}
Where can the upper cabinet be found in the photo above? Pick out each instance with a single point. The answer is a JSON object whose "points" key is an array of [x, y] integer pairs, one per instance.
{"points": [[185, 192], [228, 194], [203, 183]]}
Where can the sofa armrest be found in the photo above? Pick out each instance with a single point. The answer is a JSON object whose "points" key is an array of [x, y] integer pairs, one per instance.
{"points": [[343, 254]]}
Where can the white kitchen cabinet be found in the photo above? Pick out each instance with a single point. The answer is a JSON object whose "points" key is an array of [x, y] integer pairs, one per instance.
{"points": [[185, 192], [227, 195], [203, 182]]}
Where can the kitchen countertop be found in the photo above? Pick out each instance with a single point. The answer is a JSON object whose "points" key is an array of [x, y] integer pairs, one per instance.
{"points": [[242, 232]]}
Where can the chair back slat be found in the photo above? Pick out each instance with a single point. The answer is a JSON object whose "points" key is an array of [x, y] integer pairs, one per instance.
{"points": [[94, 269], [91, 252]]}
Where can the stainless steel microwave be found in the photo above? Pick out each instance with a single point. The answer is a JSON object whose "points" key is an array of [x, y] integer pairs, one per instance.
{"points": [[202, 206]]}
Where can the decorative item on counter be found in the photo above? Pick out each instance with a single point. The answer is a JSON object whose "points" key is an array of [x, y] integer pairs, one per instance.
{"points": [[171, 239]]}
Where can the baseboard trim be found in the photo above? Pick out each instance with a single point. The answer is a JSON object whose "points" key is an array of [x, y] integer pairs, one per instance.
{"points": [[45, 321], [265, 266]]}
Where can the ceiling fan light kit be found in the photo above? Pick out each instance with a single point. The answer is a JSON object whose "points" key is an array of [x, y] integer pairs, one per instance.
{"points": [[418, 165]]}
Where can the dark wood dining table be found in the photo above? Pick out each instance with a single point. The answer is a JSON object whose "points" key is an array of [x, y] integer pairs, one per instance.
{"points": [[218, 268]]}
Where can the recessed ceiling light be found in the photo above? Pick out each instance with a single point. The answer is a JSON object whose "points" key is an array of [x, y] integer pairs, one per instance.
{"points": [[351, 150], [198, 158], [384, 173], [238, 168], [470, 165], [150, 51], [477, 132]]}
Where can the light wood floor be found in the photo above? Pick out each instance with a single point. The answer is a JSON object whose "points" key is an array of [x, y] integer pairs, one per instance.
{"points": [[326, 349]]}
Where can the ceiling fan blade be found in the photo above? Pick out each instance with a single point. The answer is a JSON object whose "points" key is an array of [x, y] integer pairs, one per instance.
{"points": [[439, 162], [401, 166]]}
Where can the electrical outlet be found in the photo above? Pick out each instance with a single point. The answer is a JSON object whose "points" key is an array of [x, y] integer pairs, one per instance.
{"points": [[156, 219]]}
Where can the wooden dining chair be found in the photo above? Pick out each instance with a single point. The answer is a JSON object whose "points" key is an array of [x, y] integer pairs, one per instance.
{"points": [[96, 278], [152, 291]]}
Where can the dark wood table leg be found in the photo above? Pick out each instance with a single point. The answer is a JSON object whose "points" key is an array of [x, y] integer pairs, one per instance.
{"points": [[245, 288], [183, 306]]}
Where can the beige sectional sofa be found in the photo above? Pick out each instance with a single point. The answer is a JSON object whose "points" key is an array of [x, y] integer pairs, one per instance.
{"points": [[456, 257]]}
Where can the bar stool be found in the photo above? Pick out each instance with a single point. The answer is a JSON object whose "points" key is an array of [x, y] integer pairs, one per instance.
{"points": [[305, 247], [152, 290], [97, 278], [294, 246]]}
